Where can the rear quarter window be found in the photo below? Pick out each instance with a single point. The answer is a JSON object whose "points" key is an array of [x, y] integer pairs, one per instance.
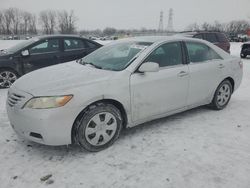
{"points": [[222, 37], [91, 44], [198, 36], [211, 37]]}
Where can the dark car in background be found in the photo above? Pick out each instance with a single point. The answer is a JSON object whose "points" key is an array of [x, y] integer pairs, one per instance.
{"points": [[40, 52], [245, 50], [217, 38]]}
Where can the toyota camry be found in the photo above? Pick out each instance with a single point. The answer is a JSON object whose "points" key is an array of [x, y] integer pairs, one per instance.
{"points": [[120, 85]]}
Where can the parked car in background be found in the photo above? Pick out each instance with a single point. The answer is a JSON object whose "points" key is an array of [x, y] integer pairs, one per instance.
{"points": [[40, 52], [120, 85], [245, 50], [217, 38]]}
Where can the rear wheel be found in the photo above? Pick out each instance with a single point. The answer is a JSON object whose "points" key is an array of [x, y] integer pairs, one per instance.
{"points": [[222, 95], [99, 127], [7, 78]]}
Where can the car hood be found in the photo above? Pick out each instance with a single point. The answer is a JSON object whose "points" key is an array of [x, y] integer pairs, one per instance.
{"points": [[4, 55], [60, 79]]}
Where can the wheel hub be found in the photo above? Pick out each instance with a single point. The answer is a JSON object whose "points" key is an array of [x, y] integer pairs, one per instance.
{"points": [[223, 94], [7, 78], [101, 128]]}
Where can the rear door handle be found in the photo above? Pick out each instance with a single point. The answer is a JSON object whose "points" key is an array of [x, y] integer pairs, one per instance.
{"points": [[221, 66], [182, 74]]}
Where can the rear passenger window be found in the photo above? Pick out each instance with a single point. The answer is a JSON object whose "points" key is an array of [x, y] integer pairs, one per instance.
{"points": [[211, 37], [168, 54], [73, 44], [199, 52]]}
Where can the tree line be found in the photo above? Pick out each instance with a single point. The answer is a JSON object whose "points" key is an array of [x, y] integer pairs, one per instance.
{"points": [[14, 21], [233, 27]]}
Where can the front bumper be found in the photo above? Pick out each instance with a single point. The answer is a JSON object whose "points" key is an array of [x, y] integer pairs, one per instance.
{"points": [[45, 126]]}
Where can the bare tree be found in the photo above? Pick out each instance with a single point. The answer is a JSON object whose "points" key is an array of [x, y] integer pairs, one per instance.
{"points": [[16, 17], [66, 22], [48, 21], [7, 20], [237, 27], [32, 28], [25, 22], [193, 27], [1, 23], [111, 31]]}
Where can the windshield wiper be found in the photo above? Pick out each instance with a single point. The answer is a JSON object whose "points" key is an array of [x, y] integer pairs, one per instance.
{"points": [[92, 64]]}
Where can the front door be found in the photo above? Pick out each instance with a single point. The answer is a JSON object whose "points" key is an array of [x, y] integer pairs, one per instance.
{"points": [[43, 54], [156, 93]]}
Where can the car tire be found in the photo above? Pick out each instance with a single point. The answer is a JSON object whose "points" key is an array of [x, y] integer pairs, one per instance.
{"points": [[243, 55], [222, 95], [98, 127], [7, 78]]}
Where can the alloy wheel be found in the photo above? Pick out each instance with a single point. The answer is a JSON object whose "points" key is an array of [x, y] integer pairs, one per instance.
{"points": [[7, 78]]}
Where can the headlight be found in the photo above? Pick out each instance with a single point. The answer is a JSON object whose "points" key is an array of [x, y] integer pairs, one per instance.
{"points": [[48, 102]]}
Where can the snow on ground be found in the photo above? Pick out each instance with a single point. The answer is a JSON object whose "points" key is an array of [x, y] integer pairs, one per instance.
{"points": [[197, 148]]}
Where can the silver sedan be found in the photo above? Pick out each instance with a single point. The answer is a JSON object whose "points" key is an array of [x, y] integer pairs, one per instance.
{"points": [[121, 85]]}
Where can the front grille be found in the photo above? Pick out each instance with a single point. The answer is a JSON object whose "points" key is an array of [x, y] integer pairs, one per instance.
{"points": [[14, 99]]}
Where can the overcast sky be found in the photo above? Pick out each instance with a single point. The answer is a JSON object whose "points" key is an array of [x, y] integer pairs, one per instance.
{"points": [[129, 14]]}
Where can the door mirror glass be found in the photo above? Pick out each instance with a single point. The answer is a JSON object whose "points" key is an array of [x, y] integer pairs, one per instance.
{"points": [[149, 67], [25, 53]]}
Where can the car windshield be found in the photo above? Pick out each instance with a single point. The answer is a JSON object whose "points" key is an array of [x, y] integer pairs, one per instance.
{"points": [[115, 57], [21, 45]]}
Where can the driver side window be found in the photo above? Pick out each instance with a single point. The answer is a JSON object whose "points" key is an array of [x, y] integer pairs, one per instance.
{"points": [[49, 45], [169, 54]]}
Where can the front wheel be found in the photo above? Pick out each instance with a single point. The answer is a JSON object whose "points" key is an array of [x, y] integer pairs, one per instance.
{"points": [[7, 78], [222, 95], [243, 55], [99, 127]]}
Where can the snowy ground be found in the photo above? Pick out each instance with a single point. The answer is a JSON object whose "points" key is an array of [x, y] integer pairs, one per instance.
{"points": [[198, 148]]}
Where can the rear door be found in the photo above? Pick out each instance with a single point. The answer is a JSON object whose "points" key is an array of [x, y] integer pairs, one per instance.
{"points": [[73, 49], [42, 54], [205, 68]]}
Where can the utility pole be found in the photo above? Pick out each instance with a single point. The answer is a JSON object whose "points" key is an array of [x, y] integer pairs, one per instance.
{"points": [[170, 26], [160, 28]]}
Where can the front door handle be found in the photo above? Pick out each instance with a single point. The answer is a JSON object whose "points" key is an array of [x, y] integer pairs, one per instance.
{"points": [[182, 74], [221, 66]]}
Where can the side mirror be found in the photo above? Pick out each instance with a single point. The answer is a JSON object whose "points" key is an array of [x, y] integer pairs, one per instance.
{"points": [[149, 67], [25, 53]]}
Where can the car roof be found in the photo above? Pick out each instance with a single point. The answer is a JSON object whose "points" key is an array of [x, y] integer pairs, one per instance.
{"points": [[58, 36], [153, 39], [65, 36]]}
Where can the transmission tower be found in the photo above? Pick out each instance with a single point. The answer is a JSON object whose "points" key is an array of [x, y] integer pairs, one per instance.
{"points": [[170, 20], [160, 28]]}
